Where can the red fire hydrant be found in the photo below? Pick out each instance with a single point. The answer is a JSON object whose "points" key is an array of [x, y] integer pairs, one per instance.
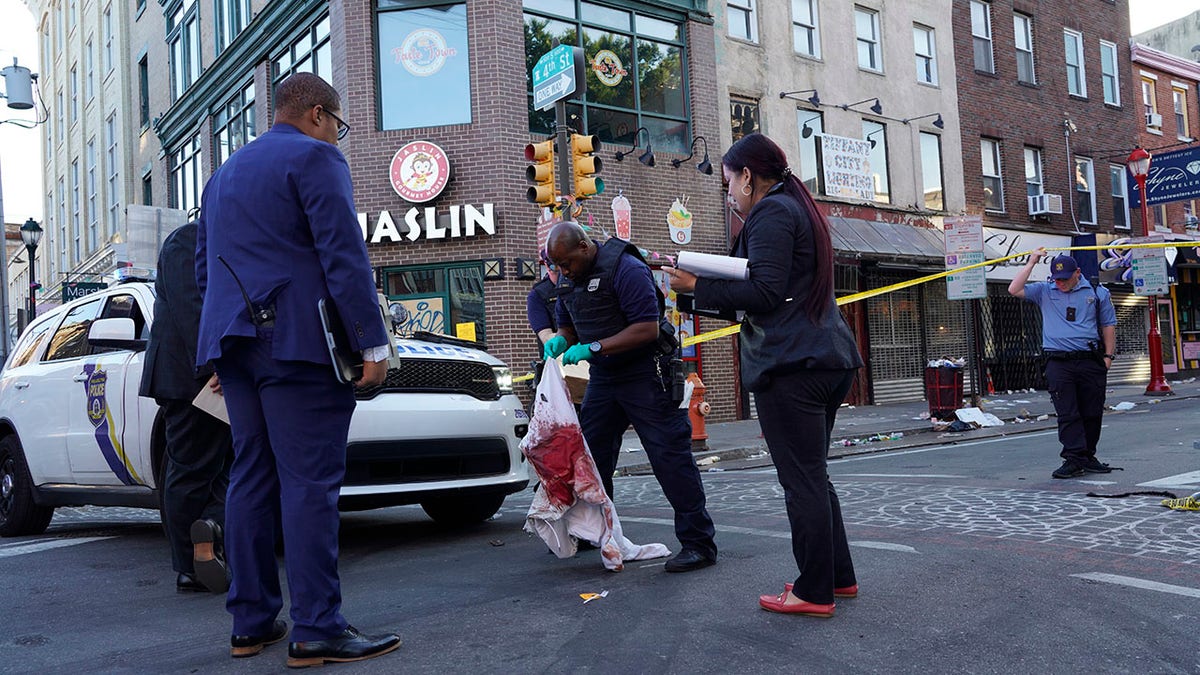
{"points": [[698, 409]]}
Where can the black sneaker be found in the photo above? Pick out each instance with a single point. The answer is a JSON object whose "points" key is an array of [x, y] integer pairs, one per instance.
{"points": [[1069, 469], [1093, 465]]}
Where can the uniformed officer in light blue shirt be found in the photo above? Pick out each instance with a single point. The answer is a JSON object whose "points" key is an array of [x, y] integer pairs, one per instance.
{"points": [[1079, 339]]}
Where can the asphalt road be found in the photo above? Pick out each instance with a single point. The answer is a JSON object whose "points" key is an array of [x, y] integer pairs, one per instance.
{"points": [[970, 559]]}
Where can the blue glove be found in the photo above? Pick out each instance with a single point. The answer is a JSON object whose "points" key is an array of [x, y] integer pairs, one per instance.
{"points": [[554, 346], [578, 352]]}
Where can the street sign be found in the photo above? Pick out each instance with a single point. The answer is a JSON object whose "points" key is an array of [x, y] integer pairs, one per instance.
{"points": [[964, 246], [78, 289], [554, 76], [1149, 272]]}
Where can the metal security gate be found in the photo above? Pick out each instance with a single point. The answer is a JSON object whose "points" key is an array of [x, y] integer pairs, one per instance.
{"points": [[1133, 358]]}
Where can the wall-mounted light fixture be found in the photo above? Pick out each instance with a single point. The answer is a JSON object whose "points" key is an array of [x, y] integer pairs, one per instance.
{"points": [[646, 157], [527, 268], [813, 100], [705, 166], [877, 108], [493, 268], [937, 123]]}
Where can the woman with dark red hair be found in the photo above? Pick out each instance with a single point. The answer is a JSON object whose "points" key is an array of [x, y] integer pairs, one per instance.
{"points": [[798, 356]]}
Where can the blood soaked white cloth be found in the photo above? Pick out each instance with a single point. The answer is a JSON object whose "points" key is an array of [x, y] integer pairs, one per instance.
{"points": [[571, 503]]}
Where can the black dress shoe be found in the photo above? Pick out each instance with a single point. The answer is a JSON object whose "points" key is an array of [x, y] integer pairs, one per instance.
{"points": [[350, 645], [688, 560], [241, 646], [186, 583], [206, 558]]}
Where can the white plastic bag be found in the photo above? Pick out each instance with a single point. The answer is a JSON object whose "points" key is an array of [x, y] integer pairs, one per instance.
{"points": [[571, 503]]}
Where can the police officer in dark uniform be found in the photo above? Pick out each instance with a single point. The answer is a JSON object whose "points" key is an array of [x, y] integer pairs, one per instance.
{"points": [[541, 301], [1079, 339], [608, 314]]}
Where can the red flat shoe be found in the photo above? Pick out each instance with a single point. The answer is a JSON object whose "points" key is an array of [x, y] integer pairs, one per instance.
{"points": [[778, 603], [843, 592]]}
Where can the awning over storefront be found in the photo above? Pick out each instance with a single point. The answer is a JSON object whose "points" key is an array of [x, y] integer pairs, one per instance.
{"points": [[892, 242]]}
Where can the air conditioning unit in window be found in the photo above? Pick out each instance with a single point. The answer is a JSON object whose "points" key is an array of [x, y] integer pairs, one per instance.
{"points": [[1154, 120], [1044, 204]]}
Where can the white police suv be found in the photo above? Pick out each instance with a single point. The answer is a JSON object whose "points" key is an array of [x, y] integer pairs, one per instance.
{"points": [[442, 431]]}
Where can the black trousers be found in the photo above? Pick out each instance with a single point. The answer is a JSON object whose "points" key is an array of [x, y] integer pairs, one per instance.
{"points": [[1077, 390], [199, 452], [796, 412]]}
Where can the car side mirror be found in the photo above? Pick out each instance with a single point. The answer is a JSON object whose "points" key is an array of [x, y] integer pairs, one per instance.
{"points": [[117, 333]]}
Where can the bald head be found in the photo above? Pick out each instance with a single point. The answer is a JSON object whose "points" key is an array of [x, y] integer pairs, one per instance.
{"points": [[570, 248]]}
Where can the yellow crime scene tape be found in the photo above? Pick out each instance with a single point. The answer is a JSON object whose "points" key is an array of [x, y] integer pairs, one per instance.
{"points": [[734, 329]]}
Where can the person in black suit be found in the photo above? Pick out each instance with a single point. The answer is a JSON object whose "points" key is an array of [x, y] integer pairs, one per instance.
{"points": [[199, 446]]}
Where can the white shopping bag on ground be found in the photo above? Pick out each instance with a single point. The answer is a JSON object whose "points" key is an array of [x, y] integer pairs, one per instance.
{"points": [[571, 503]]}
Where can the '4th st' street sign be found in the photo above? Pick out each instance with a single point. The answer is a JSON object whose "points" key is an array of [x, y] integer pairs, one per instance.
{"points": [[554, 75]]}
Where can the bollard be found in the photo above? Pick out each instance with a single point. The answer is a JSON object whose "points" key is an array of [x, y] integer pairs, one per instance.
{"points": [[698, 409]]}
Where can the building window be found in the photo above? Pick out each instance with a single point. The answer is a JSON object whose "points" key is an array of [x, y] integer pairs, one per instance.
{"points": [[1160, 217], [62, 225], [876, 133], [232, 17], [812, 125], [144, 92], [183, 44], [1150, 105], [438, 298], [981, 36], [635, 73], [147, 190], [310, 53], [93, 214], [926, 54], [931, 171], [1120, 201], [59, 128], [76, 226], [114, 174], [185, 175], [806, 38], [1033, 171], [743, 116], [993, 183], [866, 32], [70, 15], [1023, 31], [444, 84], [1085, 191], [108, 40], [74, 84], [742, 22], [233, 125], [89, 70], [1076, 84], [1179, 95], [1108, 73]]}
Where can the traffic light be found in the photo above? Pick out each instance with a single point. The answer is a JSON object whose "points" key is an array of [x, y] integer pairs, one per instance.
{"points": [[586, 165], [540, 173]]}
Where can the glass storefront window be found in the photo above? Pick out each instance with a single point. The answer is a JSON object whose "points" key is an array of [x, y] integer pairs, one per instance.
{"points": [[438, 298], [423, 49]]}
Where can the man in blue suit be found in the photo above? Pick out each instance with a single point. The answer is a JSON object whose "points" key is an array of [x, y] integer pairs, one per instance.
{"points": [[278, 232]]}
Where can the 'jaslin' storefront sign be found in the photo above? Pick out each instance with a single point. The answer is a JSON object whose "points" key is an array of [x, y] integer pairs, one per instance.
{"points": [[1173, 176]]}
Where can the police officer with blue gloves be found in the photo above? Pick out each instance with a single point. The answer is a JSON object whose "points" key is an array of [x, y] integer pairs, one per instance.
{"points": [[608, 314], [1079, 339]]}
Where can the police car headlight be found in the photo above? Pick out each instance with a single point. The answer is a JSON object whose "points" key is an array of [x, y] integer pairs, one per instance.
{"points": [[504, 380]]}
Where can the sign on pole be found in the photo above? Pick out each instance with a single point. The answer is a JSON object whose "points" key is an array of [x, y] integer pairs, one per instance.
{"points": [[78, 289], [554, 76], [1149, 271], [964, 246]]}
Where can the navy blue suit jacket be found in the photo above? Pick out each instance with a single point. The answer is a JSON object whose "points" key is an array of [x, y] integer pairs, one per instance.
{"points": [[281, 212]]}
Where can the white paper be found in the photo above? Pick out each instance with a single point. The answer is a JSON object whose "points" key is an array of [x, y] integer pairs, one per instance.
{"points": [[983, 419], [211, 402], [714, 266]]}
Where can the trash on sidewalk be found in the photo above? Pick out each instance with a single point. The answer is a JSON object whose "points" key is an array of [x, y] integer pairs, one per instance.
{"points": [[588, 597], [875, 438], [955, 427], [977, 416], [705, 461], [946, 363], [1043, 417], [1124, 405]]}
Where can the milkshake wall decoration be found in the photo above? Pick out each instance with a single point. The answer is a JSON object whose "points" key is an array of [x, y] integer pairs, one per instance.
{"points": [[622, 216], [679, 219]]}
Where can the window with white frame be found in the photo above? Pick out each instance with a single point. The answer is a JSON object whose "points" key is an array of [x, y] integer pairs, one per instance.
{"points": [[1160, 217], [89, 70], [931, 171], [59, 127], [1108, 73], [310, 52], [62, 225], [876, 133], [1120, 202], [1085, 191], [114, 173], [183, 46], [926, 54], [109, 64], [866, 33], [74, 84], [1033, 171], [1179, 98], [1076, 82], [93, 214], [743, 24], [1189, 214], [1023, 34], [1150, 104], [806, 38], [981, 36], [76, 221], [812, 125], [185, 175], [233, 125], [993, 183], [232, 17]]}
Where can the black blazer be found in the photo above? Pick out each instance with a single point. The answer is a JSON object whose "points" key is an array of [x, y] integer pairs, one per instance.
{"points": [[169, 371]]}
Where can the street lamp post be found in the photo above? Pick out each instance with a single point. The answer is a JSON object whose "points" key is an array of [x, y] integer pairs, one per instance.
{"points": [[31, 234], [1139, 165]]}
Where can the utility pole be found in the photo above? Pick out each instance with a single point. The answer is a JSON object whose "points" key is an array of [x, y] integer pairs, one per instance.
{"points": [[6, 328]]}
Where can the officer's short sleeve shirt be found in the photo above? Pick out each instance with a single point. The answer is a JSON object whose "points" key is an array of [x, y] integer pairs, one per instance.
{"points": [[1066, 330]]}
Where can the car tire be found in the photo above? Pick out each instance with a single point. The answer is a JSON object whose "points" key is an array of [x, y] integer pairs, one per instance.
{"points": [[459, 511], [19, 514]]}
